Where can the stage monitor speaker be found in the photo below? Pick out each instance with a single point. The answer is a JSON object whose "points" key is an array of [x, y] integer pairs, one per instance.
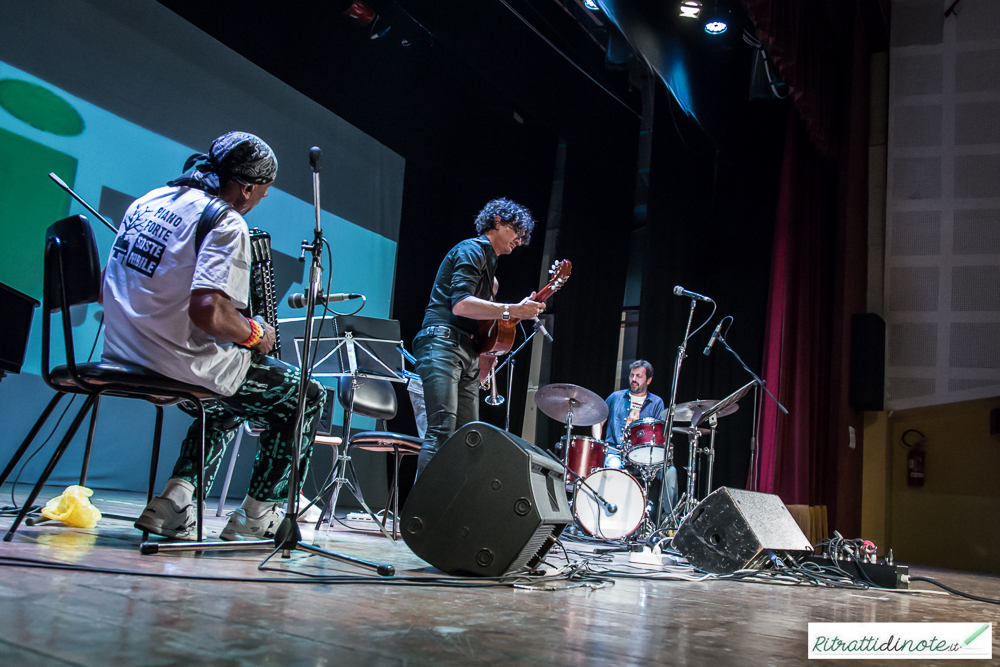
{"points": [[866, 384], [487, 504], [733, 529]]}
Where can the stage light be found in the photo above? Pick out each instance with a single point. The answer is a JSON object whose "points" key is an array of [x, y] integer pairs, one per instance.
{"points": [[591, 4], [715, 19], [690, 9], [716, 27]]}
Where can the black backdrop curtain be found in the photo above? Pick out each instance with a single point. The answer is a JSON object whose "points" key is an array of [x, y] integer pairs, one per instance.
{"points": [[597, 203], [709, 229]]}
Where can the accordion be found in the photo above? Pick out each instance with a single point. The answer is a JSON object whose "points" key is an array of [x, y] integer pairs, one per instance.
{"points": [[263, 300]]}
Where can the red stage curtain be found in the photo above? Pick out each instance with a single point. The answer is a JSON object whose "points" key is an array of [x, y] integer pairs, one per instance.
{"points": [[818, 272]]}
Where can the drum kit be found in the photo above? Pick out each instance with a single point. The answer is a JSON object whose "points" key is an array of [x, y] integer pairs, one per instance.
{"points": [[610, 503]]}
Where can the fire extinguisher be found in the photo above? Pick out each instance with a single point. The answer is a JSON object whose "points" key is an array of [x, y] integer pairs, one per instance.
{"points": [[916, 458]]}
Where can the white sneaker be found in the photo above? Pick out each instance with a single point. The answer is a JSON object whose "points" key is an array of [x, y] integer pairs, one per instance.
{"points": [[311, 515], [163, 517], [243, 527]]}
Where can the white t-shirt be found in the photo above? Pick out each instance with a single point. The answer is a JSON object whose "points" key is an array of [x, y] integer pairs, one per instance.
{"points": [[147, 289]]}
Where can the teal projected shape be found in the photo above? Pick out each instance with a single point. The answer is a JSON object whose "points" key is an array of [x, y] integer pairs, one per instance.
{"points": [[40, 108], [29, 203]]}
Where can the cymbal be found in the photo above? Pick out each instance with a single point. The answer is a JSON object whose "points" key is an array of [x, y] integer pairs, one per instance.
{"points": [[688, 430], [684, 411], [559, 400]]}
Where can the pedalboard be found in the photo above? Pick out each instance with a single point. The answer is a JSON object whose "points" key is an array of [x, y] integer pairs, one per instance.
{"points": [[881, 574]]}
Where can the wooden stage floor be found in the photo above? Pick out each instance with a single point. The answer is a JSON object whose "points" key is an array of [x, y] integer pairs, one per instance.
{"points": [[63, 617]]}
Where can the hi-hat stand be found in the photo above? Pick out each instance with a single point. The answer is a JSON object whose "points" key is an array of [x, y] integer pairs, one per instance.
{"points": [[288, 537]]}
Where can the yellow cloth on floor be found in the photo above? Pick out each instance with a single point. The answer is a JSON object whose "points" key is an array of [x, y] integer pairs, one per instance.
{"points": [[73, 508]]}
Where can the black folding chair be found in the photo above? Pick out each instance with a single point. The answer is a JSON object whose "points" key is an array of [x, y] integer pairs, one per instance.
{"points": [[72, 277]]}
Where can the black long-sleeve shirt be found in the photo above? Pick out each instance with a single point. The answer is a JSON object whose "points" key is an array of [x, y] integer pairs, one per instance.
{"points": [[467, 270]]}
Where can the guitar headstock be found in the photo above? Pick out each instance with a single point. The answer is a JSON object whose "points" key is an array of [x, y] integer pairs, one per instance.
{"points": [[559, 273]]}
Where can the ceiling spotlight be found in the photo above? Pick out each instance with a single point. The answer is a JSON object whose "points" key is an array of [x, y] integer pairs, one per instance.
{"points": [[716, 19], [591, 5], [690, 9]]}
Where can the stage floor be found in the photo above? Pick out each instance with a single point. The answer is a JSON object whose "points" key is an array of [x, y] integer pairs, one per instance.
{"points": [[63, 617]]}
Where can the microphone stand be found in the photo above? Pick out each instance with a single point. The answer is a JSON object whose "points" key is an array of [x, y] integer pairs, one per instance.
{"points": [[668, 429], [288, 537], [510, 373], [754, 454]]}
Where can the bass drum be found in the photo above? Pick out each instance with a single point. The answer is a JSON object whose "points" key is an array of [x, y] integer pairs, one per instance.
{"points": [[620, 490]]}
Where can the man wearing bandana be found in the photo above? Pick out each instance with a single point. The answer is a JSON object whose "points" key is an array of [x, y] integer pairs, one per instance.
{"points": [[171, 297]]}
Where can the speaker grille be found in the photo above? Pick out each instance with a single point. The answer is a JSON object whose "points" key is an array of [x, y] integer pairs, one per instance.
{"points": [[977, 71], [918, 75], [975, 288], [915, 233], [913, 345], [917, 126], [977, 176], [980, 19], [899, 388], [977, 232], [916, 178], [914, 289], [975, 345]]}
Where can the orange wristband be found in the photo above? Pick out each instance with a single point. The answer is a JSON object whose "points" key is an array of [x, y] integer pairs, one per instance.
{"points": [[256, 333]]}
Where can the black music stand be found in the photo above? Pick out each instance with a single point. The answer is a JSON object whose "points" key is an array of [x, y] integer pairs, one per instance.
{"points": [[356, 347]]}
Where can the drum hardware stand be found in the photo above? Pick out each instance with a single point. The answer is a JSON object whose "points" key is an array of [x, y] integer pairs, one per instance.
{"points": [[692, 473], [287, 537], [668, 429]]}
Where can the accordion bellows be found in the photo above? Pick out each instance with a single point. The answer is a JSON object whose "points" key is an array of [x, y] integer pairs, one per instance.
{"points": [[263, 299]]}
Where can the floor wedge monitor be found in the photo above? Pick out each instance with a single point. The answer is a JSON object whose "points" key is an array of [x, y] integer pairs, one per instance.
{"points": [[487, 504], [733, 529]]}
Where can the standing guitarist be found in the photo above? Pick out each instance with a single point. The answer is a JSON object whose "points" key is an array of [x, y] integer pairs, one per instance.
{"points": [[447, 361]]}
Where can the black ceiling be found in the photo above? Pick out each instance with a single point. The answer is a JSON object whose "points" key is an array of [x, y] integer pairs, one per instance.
{"points": [[441, 67]]}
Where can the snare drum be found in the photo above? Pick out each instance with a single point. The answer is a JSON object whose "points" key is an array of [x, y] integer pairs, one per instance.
{"points": [[645, 444], [585, 454], [619, 490]]}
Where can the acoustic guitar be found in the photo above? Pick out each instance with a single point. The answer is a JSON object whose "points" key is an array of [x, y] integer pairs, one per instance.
{"points": [[496, 337]]}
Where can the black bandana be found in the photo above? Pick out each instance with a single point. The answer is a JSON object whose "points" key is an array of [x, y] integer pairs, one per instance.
{"points": [[240, 157]]}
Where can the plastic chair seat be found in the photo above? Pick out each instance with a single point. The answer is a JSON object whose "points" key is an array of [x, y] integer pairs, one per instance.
{"points": [[384, 441], [130, 379]]}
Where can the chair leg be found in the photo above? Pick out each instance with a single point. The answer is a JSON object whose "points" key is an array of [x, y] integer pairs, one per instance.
{"points": [[31, 436], [395, 493], [229, 473], [154, 462], [201, 491], [63, 444], [90, 440]]}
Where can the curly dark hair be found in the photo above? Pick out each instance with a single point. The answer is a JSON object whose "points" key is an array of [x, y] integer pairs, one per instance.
{"points": [[510, 213]]}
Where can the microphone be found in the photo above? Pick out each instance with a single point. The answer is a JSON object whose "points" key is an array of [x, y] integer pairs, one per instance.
{"points": [[611, 507], [315, 154], [541, 327], [715, 337], [680, 291], [299, 300]]}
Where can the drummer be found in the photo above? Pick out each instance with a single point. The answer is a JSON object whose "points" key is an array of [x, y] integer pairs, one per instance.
{"points": [[626, 406]]}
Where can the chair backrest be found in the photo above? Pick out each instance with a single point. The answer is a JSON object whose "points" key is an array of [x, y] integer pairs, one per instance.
{"points": [[72, 277], [373, 398]]}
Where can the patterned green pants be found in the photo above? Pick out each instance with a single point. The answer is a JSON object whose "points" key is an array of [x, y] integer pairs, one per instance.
{"points": [[268, 397]]}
